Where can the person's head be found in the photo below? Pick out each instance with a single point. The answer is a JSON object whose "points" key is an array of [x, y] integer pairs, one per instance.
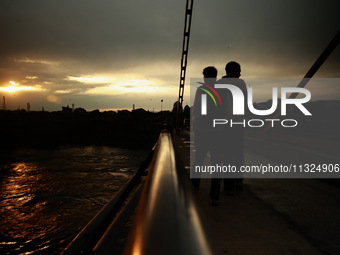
{"points": [[210, 72], [233, 69]]}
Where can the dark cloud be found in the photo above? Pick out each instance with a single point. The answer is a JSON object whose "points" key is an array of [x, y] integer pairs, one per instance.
{"points": [[96, 32], [286, 34]]}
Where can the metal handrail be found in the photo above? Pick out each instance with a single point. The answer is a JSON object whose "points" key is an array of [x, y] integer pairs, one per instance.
{"points": [[167, 220]]}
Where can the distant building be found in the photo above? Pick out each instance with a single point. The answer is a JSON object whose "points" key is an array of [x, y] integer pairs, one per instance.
{"points": [[67, 109], [79, 110], [4, 103], [186, 112]]}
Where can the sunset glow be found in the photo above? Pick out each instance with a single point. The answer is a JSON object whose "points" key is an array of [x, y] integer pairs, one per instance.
{"points": [[117, 89], [92, 79], [15, 87], [121, 85]]}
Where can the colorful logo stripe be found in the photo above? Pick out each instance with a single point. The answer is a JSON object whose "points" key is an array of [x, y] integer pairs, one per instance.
{"points": [[209, 95], [213, 90]]}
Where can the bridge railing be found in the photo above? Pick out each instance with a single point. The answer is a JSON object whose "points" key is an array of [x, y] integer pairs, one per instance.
{"points": [[167, 220]]}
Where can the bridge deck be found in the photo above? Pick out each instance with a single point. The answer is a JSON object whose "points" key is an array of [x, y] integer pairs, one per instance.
{"points": [[272, 216]]}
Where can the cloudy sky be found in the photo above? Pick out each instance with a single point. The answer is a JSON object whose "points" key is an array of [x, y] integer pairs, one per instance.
{"points": [[112, 54]]}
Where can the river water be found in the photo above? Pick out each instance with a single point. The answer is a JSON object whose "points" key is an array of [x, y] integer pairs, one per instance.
{"points": [[48, 196]]}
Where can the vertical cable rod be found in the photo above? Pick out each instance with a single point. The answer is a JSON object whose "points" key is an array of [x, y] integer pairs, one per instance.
{"points": [[184, 59]]}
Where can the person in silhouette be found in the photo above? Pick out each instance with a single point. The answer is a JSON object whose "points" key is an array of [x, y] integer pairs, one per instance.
{"points": [[233, 137], [210, 139], [202, 130]]}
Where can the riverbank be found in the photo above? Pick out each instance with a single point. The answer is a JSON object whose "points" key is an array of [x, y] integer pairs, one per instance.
{"points": [[138, 129]]}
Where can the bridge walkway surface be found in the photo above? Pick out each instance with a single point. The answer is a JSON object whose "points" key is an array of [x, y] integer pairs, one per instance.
{"points": [[270, 216]]}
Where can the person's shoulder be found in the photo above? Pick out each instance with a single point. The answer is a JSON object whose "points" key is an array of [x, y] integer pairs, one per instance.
{"points": [[241, 80], [229, 80], [222, 80], [199, 88], [240, 83], [199, 91]]}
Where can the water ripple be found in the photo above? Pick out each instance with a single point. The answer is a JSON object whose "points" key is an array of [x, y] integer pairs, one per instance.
{"points": [[47, 197]]}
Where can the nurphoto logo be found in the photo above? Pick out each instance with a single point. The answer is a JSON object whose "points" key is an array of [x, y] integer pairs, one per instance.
{"points": [[238, 105]]}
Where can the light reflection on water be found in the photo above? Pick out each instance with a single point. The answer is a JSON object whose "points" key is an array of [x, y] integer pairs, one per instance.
{"points": [[47, 197]]}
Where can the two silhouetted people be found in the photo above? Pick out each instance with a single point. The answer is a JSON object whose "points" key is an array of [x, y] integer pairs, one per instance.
{"points": [[224, 143]]}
